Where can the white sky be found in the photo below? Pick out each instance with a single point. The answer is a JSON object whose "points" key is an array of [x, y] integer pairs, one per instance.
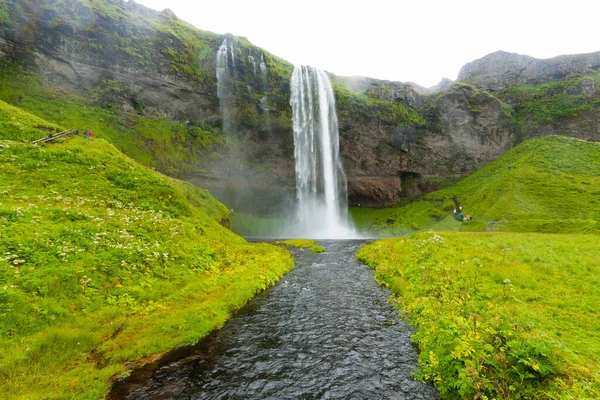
{"points": [[418, 41]]}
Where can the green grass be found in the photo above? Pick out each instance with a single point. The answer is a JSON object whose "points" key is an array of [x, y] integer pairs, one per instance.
{"points": [[551, 186], [105, 262], [502, 315], [19, 125], [310, 244]]}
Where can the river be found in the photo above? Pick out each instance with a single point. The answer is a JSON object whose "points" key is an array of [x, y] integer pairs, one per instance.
{"points": [[325, 331]]}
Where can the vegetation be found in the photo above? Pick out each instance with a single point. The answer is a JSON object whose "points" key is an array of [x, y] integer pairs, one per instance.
{"points": [[370, 106], [16, 124], [504, 315], [310, 244], [548, 184], [249, 225], [551, 103], [125, 37], [104, 262], [173, 148]]}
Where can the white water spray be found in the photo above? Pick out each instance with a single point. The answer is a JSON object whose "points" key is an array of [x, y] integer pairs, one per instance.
{"points": [[321, 187]]}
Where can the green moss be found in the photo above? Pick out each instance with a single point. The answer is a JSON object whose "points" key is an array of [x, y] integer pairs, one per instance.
{"points": [[309, 244], [300, 243], [316, 249], [498, 315]]}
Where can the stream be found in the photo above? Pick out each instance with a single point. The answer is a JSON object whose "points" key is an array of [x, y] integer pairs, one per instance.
{"points": [[325, 331]]}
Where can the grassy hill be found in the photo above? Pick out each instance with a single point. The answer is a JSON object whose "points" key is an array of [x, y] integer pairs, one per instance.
{"points": [[546, 184], [105, 262]]}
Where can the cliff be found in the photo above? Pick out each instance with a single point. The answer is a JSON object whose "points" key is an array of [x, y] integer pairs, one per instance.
{"points": [[151, 72], [500, 70]]}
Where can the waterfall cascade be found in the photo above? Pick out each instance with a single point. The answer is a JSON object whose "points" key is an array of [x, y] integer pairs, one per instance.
{"points": [[225, 82], [321, 187]]}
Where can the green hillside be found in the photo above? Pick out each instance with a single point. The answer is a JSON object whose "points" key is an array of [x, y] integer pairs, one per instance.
{"points": [[546, 184], [174, 148], [103, 262], [21, 126]]}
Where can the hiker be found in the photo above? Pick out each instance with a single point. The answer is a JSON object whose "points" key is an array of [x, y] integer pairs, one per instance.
{"points": [[458, 212], [90, 134], [86, 134], [51, 137]]}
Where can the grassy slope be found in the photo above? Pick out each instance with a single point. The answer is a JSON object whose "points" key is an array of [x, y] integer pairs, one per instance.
{"points": [[551, 186], [502, 315], [171, 147], [19, 125], [103, 261]]}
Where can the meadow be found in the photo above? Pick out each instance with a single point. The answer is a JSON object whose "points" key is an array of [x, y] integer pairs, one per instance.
{"points": [[498, 315]]}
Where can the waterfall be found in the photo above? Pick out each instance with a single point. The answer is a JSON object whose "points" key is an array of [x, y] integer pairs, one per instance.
{"points": [[264, 86], [225, 82], [321, 187], [263, 67]]}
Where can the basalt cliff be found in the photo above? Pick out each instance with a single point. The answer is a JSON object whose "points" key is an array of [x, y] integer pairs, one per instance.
{"points": [[396, 139]]}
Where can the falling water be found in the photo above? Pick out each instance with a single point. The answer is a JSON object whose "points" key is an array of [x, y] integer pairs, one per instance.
{"points": [[225, 87], [252, 60], [321, 187], [263, 67]]}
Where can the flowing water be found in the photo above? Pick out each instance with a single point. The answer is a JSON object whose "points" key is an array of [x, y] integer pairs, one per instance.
{"points": [[225, 82], [321, 187], [324, 331]]}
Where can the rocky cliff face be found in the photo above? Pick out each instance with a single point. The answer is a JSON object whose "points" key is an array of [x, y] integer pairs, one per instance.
{"points": [[396, 139], [500, 70], [462, 128]]}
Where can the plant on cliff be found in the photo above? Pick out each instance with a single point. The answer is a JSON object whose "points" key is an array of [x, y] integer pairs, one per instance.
{"points": [[366, 107], [105, 262], [552, 103], [503, 316]]}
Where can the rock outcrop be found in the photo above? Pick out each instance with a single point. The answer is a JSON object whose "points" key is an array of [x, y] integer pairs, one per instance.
{"points": [[500, 70]]}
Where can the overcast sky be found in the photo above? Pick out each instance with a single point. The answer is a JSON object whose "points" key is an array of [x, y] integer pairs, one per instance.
{"points": [[419, 41]]}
